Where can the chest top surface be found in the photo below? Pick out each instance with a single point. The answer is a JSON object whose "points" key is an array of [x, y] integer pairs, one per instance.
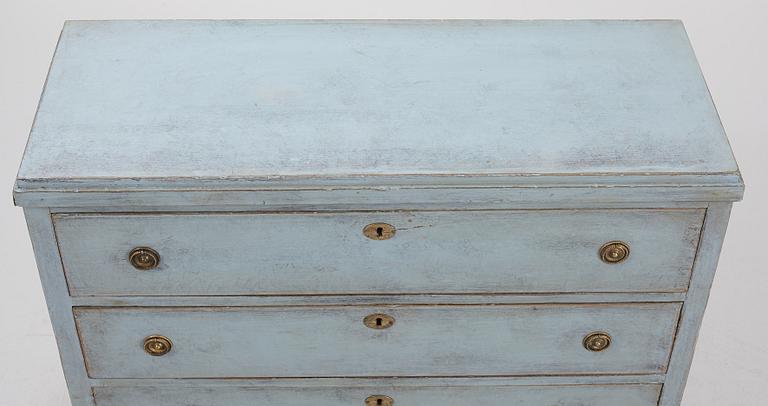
{"points": [[158, 102]]}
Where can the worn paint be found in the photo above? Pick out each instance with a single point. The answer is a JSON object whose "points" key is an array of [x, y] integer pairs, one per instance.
{"points": [[333, 341], [431, 252], [443, 395], [163, 105], [210, 136]]}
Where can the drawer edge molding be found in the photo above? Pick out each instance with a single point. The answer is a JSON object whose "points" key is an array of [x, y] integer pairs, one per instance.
{"points": [[390, 381], [368, 300], [633, 394]]}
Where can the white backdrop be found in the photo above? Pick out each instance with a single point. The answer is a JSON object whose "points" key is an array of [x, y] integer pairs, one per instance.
{"points": [[730, 39]]}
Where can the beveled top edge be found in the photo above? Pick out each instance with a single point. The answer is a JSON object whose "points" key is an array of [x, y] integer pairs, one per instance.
{"points": [[353, 181], [432, 191]]}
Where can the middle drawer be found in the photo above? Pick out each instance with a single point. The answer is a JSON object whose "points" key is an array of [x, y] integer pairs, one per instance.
{"points": [[352, 253], [361, 341]]}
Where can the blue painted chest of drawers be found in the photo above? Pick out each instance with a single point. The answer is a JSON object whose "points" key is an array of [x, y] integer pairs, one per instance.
{"points": [[324, 213]]}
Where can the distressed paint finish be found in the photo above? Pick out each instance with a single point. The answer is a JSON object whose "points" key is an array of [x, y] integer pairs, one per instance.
{"points": [[393, 300], [431, 252], [59, 304], [388, 198], [333, 342], [255, 101], [252, 153], [693, 311], [391, 382], [510, 395]]}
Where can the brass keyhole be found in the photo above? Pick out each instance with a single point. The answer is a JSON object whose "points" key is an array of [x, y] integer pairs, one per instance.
{"points": [[379, 321], [379, 231], [379, 400]]}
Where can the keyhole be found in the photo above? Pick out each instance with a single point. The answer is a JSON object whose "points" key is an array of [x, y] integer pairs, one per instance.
{"points": [[378, 321], [379, 231], [379, 400]]}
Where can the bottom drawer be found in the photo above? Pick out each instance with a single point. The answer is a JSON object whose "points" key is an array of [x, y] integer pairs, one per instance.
{"points": [[454, 395]]}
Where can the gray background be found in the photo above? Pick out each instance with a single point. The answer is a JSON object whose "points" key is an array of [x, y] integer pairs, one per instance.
{"points": [[730, 39]]}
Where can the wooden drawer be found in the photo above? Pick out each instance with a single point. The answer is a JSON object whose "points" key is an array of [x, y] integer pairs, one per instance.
{"points": [[438, 393], [431, 252], [500, 340]]}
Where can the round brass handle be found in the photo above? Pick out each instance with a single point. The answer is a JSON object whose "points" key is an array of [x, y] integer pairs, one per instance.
{"points": [[157, 345], [614, 252], [143, 258], [379, 231], [379, 400], [379, 321], [597, 341]]}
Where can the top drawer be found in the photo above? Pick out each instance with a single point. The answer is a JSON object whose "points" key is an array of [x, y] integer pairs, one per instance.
{"points": [[328, 253]]}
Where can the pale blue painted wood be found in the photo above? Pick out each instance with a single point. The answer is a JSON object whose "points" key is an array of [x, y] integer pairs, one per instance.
{"points": [[596, 194], [693, 311], [333, 341], [584, 395], [148, 103], [432, 252], [365, 116], [393, 300], [59, 305], [391, 382]]}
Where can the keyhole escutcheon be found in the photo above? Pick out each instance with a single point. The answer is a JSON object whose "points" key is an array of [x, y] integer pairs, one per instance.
{"points": [[379, 400], [379, 321], [379, 231]]}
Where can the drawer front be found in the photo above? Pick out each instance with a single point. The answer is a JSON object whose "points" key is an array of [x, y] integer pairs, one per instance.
{"points": [[573, 395], [430, 252], [501, 340]]}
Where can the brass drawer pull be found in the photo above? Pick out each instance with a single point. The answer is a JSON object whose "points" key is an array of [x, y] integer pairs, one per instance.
{"points": [[379, 321], [597, 341], [614, 252], [144, 258], [157, 345], [379, 231], [379, 400]]}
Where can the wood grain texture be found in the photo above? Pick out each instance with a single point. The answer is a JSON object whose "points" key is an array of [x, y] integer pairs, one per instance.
{"points": [[511, 395], [333, 342], [393, 300], [327, 253], [59, 304], [401, 382], [331, 208], [704, 269], [250, 154], [256, 101]]}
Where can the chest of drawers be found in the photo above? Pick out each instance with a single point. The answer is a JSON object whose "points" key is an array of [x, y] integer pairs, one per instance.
{"points": [[375, 213]]}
